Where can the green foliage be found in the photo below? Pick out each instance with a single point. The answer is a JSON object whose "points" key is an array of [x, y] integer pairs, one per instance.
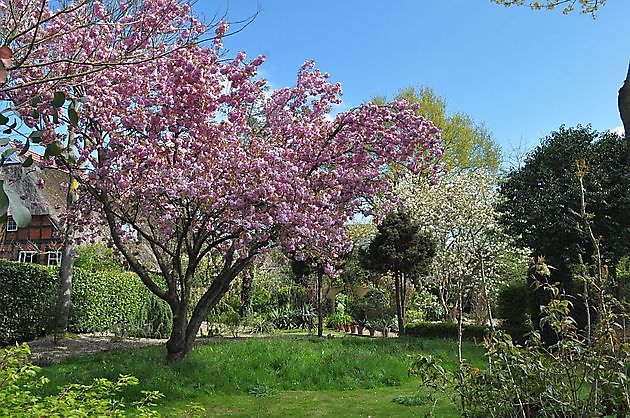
{"points": [[101, 301], [412, 400], [97, 257], [468, 144], [338, 320], [288, 317], [542, 197], [357, 308], [513, 304], [107, 300], [446, 330], [232, 320], [27, 299], [259, 324], [378, 312], [576, 376], [20, 383], [399, 246]]}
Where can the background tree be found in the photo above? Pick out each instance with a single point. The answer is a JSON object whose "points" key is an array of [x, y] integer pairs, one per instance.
{"points": [[541, 206], [468, 144], [401, 249], [541, 197], [472, 249]]}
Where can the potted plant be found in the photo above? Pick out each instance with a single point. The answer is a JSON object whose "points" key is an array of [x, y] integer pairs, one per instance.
{"points": [[371, 328], [339, 321], [357, 310], [377, 310]]}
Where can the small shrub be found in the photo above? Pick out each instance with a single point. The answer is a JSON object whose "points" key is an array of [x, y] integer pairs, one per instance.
{"points": [[338, 320], [287, 318], [259, 324], [260, 391], [446, 330], [232, 320], [377, 310], [412, 400]]}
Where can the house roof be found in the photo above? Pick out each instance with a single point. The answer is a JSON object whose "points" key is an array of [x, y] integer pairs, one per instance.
{"points": [[39, 189]]}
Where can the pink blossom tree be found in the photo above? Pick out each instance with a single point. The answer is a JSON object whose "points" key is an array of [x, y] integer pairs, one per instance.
{"points": [[188, 153], [49, 48]]}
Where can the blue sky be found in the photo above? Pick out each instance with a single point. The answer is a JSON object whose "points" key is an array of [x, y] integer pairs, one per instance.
{"points": [[521, 72]]}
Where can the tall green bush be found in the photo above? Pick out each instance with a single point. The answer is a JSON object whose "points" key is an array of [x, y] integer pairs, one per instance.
{"points": [[101, 301], [513, 306], [27, 298]]}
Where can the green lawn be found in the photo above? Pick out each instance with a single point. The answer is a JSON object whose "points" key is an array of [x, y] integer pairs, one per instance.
{"points": [[283, 376]]}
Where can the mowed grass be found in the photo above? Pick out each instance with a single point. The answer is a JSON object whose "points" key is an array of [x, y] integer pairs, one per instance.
{"points": [[283, 376]]}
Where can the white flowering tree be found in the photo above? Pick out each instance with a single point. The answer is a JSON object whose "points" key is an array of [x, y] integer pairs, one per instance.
{"points": [[458, 211]]}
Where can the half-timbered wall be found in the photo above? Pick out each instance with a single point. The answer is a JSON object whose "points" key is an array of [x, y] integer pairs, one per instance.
{"points": [[39, 238]]}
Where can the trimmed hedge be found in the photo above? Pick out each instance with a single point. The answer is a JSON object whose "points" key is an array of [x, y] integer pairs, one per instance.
{"points": [[445, 330], [28, 293], [119, 301], [101, 301]]}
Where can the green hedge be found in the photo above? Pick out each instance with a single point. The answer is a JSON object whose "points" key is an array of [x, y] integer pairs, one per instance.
{"points": [[101, 301], [116, 301], [445, 330], [27, 299]]}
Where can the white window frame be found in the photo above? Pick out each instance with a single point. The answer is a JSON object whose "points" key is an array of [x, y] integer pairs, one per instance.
{"points": [[53, 255], [11, 224], [27, 256]]}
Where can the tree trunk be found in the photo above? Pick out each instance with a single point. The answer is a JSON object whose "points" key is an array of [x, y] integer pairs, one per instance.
{"points": [[176, 346], [320, 319], [184, 330], [624, 104], [62, 311], [403, 299], [247, 287], [64, 298], [399, 315]]}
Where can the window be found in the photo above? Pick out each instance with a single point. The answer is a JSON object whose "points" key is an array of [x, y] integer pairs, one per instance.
{"points": [[11, 225], [54, 258], [27, 256]]}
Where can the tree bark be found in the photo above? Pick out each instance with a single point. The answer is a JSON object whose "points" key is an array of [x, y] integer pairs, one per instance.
{"points": [[184, 330], [64, 298], [247, 286], [623, 102], [320, 319], [399, 312]]}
